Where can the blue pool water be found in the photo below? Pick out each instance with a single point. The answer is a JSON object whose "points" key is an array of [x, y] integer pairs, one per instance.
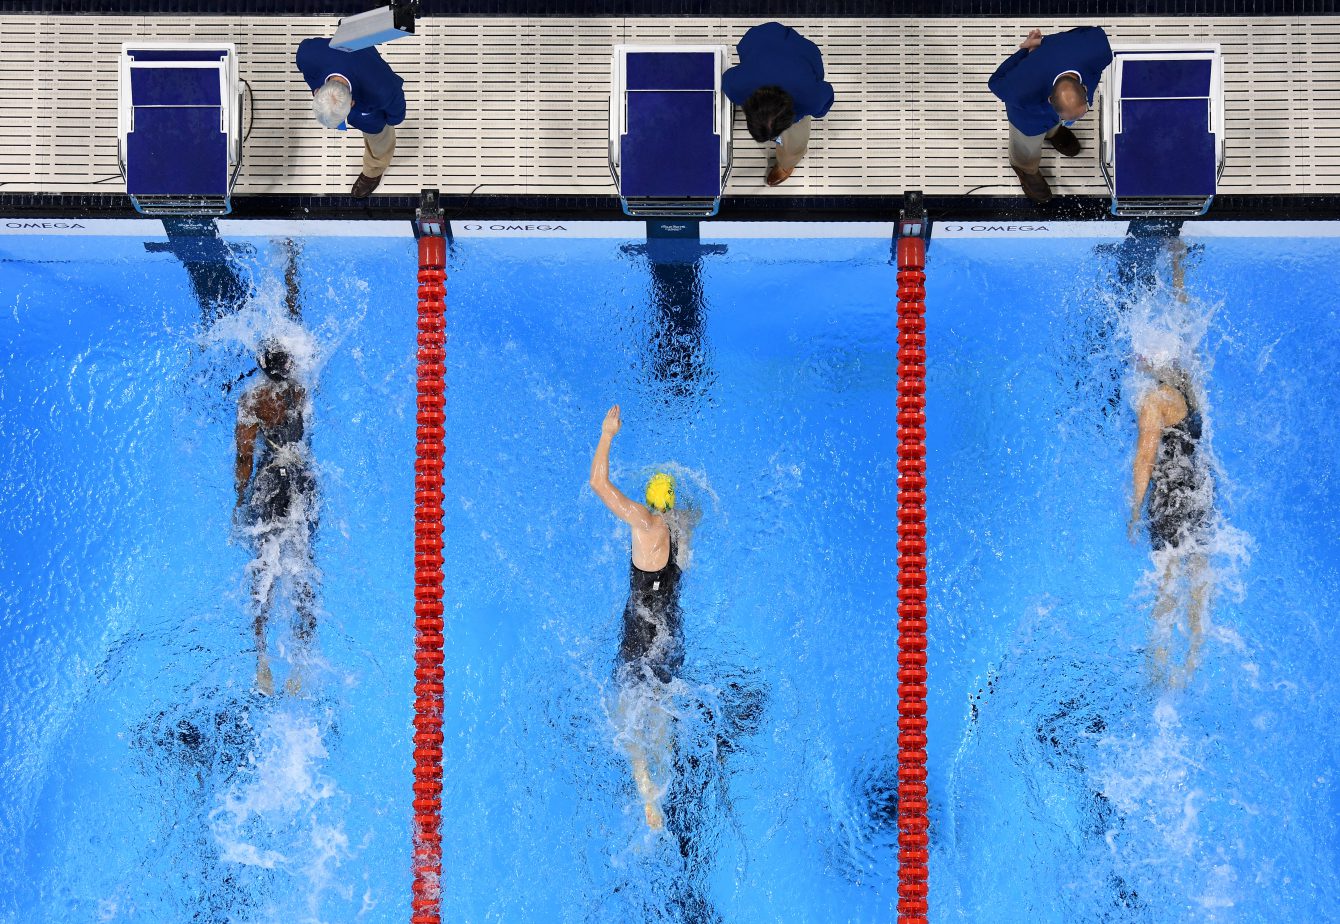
{"points": [[144, 779]]}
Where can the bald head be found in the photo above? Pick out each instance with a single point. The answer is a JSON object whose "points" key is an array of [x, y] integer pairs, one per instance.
{"points": [[1069, 98]]}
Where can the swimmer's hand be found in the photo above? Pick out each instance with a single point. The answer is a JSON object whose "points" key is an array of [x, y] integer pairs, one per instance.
{"points": [[1133, 529], [612, 423], [1033, 41]]}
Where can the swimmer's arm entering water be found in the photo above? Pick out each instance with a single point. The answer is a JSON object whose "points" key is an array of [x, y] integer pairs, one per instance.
{"points": [[620, 504]]}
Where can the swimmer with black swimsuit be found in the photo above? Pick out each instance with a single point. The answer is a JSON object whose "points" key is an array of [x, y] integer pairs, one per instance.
{"points": [[652, 623], [276, 492], [651, 650], [1181, 502]]}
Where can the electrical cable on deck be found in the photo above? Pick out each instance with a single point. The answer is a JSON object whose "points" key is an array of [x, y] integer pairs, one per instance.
{"points": [[425, 899], [913, 823]]}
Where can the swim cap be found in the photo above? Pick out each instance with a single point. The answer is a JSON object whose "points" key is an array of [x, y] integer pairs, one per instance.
{"points": [[661, 491], [274, 361]]}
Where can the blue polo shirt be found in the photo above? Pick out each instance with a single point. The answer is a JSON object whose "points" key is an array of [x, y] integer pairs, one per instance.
{"points": [[379, 94], [1024, 81], [774, 55]]}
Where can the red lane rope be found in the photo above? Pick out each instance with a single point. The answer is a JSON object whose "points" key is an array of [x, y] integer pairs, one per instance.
{"points": [[426, 891], [913, 823]]}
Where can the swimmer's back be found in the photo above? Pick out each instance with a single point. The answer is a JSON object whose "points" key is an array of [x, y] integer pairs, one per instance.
{"points": [[651, 545]]}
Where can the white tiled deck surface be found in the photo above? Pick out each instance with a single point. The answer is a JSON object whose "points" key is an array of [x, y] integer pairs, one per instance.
{"points": [[518, 106]]}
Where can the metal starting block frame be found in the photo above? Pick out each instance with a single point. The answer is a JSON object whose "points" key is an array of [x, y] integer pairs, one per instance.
{"points": [[1161, 128], [669, 129], [179, 116]]}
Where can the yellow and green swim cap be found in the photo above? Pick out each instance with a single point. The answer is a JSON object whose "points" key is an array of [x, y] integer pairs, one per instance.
{"points": [[661, 491]]}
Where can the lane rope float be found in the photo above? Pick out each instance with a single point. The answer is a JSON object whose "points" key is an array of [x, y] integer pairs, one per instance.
{"points": [[426, 888], [913, 806]]}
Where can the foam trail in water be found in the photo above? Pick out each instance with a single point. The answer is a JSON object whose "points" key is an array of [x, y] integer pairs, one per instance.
{"points": [[283, 813], [1155, 773]]}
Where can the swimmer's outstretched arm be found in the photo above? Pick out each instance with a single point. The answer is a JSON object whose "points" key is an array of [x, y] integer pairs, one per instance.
{"points": [[623, 507]]}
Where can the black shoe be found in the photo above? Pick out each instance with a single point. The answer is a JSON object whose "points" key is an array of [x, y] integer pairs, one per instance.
{"points": [[364, 185], [1065, 142], [1035, 186]]}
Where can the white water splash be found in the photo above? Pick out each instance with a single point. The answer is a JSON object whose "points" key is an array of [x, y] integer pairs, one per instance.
{"points": [[1166, 328], [283, 813], [1157, 781]]}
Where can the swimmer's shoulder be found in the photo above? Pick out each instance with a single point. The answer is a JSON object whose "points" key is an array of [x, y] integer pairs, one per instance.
{"points": [[1172, 405], [246, 406]]}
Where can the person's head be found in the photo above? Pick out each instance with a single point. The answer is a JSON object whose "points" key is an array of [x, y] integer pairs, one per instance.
{"points": [[331, 103], [661, 492], [768, 112], [1069, 98], [275, 361]]}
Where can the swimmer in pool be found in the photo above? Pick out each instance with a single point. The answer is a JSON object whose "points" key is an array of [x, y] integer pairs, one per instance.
{"points": [[276, 494], [651, 649], [1180, 504]]}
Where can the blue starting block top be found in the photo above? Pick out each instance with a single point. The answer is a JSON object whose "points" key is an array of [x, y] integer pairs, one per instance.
{"points": [[671, 148], [1166, 146], [178, 117], [670, 70]]}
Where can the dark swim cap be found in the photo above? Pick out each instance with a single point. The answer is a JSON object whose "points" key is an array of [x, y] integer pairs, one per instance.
{"points": [[274, 361]]}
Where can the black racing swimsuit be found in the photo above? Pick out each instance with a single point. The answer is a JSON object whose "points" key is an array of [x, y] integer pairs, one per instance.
{"points": [[283, 478], [652, 623], [1179, 502]]}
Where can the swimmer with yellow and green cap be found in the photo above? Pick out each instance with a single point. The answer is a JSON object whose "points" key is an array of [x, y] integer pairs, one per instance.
{"points": [[651, 648]]}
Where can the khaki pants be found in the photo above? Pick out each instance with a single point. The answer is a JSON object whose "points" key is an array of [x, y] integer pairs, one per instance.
{"points": [[1026, 150], [795, 142], [377, 151]]}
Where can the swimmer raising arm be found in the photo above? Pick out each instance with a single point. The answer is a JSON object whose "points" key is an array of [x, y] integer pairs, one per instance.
{"points": [[650, 646], [651, 535]]}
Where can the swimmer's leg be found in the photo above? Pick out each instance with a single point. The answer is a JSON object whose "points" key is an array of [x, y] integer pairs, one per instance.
{"points": [[304, 627], [638, 758], [262, 593], [1164, 605], [660, 742], [1195, 613], [645, 787]]}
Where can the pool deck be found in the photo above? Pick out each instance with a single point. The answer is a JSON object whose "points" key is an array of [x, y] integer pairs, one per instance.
{"points": [[518, 106]]}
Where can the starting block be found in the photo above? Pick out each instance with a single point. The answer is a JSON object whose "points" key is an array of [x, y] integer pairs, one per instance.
{"points": [[669, 129], [1161, 128], [179, 141]]}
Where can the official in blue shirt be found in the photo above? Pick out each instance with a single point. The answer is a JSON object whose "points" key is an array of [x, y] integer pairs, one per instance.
{"points": [[780, 84], [1046, 86], [359, 88]]}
